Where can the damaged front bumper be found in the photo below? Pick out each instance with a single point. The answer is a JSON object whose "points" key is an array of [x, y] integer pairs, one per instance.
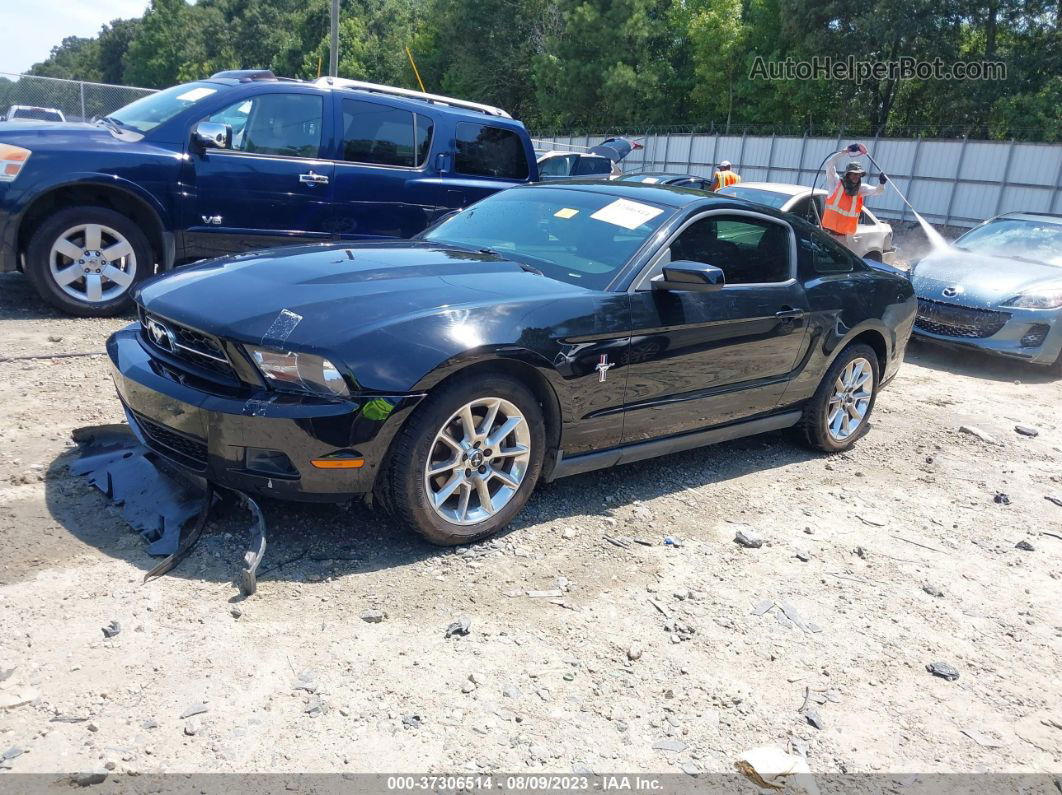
{"points": [[257, 441]]}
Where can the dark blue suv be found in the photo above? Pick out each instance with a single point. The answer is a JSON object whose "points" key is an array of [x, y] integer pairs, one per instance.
{"points": [[241, 161]]}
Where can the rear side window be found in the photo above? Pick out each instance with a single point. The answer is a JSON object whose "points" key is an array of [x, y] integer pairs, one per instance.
{"points": [[382, 135], [823, 255], [485, 151], [592, 165], [559, 166]]}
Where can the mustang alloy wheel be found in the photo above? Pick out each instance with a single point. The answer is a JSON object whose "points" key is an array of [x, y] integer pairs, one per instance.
{"points": [[86, 260], [478, 460], [466, 461], [839, 412], [853, 390]]}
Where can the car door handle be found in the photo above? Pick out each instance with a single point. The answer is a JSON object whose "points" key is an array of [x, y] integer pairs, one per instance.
{"points": [[790, 314], [313, 179]]}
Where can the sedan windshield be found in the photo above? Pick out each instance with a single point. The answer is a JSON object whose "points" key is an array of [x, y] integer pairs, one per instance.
{"points": [[154, 109], [574, 236], [768, 197], [1016, 237]]}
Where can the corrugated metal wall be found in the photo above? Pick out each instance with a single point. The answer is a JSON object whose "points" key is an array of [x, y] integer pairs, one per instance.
{"points": [[956, 183]]}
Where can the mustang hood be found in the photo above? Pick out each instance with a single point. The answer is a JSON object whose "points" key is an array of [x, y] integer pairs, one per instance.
{"points": [[320, 296], [977, 280]]}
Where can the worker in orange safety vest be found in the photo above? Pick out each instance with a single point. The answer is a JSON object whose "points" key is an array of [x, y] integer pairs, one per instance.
{"points": [[844, 202], [725, 176]]}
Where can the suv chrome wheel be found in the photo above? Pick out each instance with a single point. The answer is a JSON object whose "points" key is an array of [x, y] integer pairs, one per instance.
{"points": [[92, 263], [478, 460], [852, 392]]}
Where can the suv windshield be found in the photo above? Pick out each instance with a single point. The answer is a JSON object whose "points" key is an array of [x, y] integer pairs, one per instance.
{"points": [[574, 236], [151, 111], [1016, 237]]}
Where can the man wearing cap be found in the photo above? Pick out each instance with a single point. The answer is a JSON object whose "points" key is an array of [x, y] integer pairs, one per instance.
{"points": [[725, 176], [840, 216]]}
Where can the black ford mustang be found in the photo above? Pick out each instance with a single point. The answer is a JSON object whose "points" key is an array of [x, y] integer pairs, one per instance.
{"points": [[543, 332]]}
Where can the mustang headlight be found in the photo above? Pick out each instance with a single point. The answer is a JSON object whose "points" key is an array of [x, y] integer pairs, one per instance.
{"points": [[1044, 298], [299, 372], [12, 159]]}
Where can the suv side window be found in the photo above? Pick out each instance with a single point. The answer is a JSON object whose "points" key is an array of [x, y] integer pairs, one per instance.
{"points": [[382, 135], [823, 255], [559, 166], [485, 151], [747, 250], [288, 125]]}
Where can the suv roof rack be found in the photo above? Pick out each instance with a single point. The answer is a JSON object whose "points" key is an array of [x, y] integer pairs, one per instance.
{"points": [[360, 85]]}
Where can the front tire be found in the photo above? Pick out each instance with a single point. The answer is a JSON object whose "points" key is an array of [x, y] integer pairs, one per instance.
{"points": [[839, 412], [86, 261], [467, 460]]}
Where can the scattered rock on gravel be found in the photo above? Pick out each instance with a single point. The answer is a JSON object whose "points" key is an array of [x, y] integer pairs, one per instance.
{"points": [[111, 629], [749, 539], [372, 616], [943, 670], [1025, 546], [460, 628], [1026, 430], [977, 433]]}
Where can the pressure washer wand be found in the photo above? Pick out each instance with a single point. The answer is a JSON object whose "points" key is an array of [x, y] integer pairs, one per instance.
{"points": [[891, 182]]}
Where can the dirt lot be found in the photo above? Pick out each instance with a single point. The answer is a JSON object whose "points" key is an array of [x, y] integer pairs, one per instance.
{"points": [[654, 658]]}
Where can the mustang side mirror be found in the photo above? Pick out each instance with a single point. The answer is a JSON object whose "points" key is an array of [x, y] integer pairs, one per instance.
{"points": [[212, 135], [688, 275]]}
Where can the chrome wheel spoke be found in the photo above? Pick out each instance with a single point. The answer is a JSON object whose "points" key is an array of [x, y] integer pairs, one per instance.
{"points": [[468, 424], [505, 478], [445, 466], [68, 250], [118, 276], [93, 287], [93, 237], [117, 251], [509, 452], [448, 488], [506, 428], [489, 420], [69, 275], [485, 500], [462, 505]]}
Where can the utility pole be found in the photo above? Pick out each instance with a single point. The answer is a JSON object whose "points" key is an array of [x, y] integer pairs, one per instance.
{"points": [[333, 50]]}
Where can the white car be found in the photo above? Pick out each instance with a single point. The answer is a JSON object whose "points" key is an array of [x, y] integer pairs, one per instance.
{"points": [[31, 113], [575, 165], [873, 238]]}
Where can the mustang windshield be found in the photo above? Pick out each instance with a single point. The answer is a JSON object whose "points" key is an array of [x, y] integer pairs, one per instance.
{"points": [[574, 236], [149, 112], [1016, 237]]}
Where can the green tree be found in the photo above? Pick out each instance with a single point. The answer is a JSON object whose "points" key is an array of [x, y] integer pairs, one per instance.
{"points": [[160, 45]]}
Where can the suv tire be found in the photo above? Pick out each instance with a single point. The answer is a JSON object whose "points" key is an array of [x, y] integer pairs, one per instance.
{"points": [[453, 474], [839, 412], [68, 266]]}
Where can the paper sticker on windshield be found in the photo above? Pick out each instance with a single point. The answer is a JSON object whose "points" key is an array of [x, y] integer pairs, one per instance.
{"points": [[196, 94], [628, 214], [650, 180], [566, 212]]}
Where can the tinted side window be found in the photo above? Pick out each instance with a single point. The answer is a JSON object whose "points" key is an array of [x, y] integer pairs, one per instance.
{"points": [[485, 151], [382, 135], [747, 250], [275, 124], [592, 165], [822, 255], [559, 166]]}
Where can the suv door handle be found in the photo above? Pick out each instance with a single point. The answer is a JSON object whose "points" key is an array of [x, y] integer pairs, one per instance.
{"points": [[313, 179], [789, 313]]}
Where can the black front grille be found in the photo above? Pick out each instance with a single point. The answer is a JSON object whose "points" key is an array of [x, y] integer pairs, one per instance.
{"points": [[202, 350], [952, 320], [190, 451]]}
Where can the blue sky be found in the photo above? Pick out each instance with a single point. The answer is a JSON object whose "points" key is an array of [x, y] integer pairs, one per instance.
{"points": [[35, 26]]}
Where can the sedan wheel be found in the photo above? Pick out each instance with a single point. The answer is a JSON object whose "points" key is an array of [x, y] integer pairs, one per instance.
{"points": [[92, 263], [466, 461], [478, 461], [853, 390], [839, 411]]}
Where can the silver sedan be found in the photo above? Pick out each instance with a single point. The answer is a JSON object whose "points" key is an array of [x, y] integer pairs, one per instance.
{"points": [[997, 289]]}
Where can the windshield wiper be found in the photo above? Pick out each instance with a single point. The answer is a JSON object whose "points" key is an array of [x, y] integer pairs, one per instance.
{"points": [[111, 123], [511, 258]]}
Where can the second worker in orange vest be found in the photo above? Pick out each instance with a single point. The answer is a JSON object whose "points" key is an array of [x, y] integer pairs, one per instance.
{"points": [[844, 200], [725, 176]]}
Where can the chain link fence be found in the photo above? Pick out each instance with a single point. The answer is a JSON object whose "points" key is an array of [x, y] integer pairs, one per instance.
{"points": [[76, 99]]}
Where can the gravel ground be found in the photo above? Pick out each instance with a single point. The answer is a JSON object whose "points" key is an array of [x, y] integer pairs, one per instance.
{"points": [[645, 658]]}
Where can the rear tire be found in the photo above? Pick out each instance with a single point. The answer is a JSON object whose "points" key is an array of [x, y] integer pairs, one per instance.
{"points": [[839, 412], [86, 261], [453, 473]]}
